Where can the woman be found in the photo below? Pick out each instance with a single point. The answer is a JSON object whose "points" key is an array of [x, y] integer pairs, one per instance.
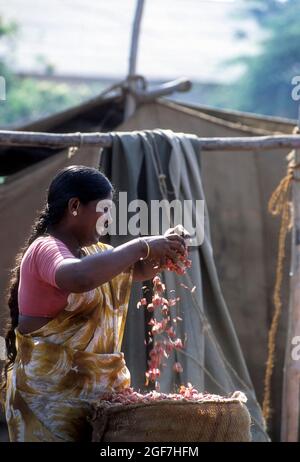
{"points": [[68, 302]]}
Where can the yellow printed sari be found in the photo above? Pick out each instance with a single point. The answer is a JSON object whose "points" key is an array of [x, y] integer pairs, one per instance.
{"points": [[63, 366]]}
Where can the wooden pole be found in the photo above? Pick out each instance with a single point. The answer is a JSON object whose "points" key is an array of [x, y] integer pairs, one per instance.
{"points": [[53, 140], [64, 140], [165, 89], [130, 100], [291, 382], [135, 37]]}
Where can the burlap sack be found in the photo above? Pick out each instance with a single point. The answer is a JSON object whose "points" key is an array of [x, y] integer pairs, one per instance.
{"points": [[171, 421]]}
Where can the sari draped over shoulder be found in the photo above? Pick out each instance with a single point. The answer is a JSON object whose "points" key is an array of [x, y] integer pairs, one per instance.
{"points": [[63, 366]]}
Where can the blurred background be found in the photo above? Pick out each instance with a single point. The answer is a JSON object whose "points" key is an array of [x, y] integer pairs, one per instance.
{"points": [[239, 54]]}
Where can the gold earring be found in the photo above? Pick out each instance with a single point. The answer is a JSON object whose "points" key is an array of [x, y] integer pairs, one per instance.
{"points": [[74, 213]]}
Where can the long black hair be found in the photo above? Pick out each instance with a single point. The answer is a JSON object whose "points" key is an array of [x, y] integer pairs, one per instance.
{"points": [[85, 183]]}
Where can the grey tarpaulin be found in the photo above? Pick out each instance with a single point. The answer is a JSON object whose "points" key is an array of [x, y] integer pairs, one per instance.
{"points": [[213, 360]]}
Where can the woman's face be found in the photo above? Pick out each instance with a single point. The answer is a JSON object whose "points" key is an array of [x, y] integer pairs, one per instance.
{"points": [[93, 218]]}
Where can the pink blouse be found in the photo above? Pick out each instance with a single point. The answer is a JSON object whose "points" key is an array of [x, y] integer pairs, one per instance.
{"points": [[38, 293]]}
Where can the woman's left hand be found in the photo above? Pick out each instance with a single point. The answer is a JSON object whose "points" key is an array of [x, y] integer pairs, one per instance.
{"points": [[178, 230]]}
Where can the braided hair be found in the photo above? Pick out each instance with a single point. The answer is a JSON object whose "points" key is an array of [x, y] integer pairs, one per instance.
{"points": [[86, 184]]}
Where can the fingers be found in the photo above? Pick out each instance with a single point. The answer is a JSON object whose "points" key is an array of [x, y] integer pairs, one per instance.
{"points": [[178, 246], [172, 255], [176, 238], [162, 262]]}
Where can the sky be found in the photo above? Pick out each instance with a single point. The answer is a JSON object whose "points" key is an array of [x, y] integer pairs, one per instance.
{"points": [[91, 38]]}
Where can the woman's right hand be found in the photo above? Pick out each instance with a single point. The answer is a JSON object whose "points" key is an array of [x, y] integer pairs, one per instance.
{"points": [[164, 247]]}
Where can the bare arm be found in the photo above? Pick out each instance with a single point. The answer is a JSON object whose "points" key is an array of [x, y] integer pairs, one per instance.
{"points": [[75, 275]]}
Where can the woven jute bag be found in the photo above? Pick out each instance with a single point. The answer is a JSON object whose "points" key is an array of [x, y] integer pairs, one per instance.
{"points": [[171, 421]]}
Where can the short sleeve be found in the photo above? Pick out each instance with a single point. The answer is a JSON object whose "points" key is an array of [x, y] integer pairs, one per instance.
{"points": [[48, 255]]}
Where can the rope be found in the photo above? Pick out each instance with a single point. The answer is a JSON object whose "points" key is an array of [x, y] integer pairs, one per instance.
{"points": [[279, 204], [73, 149]]}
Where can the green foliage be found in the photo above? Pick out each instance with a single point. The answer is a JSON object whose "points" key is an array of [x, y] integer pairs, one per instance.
{"points": [[265, 87], [29, 99], [7, 29]]}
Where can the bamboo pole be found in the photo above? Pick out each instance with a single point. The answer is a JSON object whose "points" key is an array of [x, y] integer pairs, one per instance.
{"points": [[180, 85], [64, 140], [135, 37], [53, 140], [130, 100], [291, 382]]}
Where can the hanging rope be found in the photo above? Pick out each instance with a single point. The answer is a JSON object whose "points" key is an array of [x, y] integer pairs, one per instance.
{"points": [[73, 149], [279, 204]]}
